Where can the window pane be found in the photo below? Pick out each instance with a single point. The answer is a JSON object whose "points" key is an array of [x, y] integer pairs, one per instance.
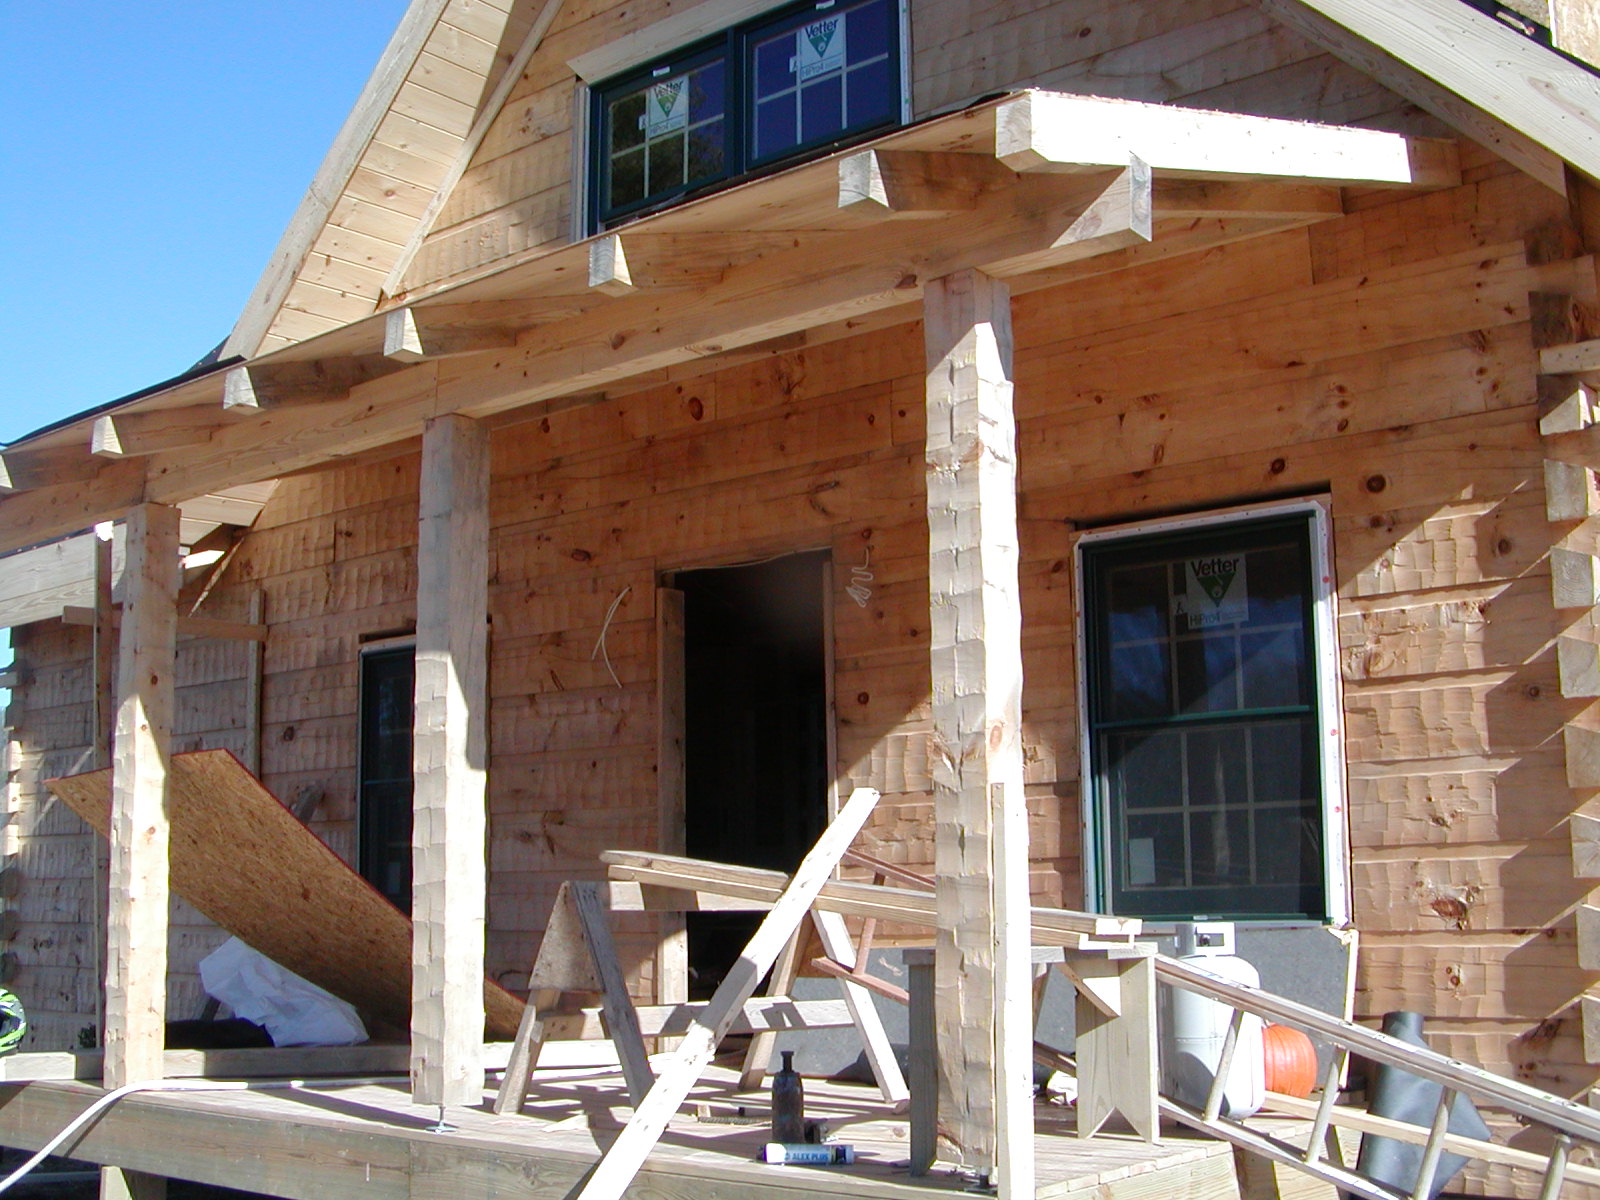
{"points": [[1274, 668], [1156, 852], [627, 178], [706, 99], [871, 30], [1147, 769], [665, 164], [775, 129], [870, 94], [1216, 767], [706, 152], [774, 65], [1208, 670], [626, 122], [821, 108]]}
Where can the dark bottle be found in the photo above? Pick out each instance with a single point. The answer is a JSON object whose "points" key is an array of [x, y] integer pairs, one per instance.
{"points": [[788, 1103]]}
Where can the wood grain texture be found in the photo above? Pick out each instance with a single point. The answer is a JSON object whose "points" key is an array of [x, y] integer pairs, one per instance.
{"points": [[450, 765], [141, 799], [984, 975], [240, 857]]}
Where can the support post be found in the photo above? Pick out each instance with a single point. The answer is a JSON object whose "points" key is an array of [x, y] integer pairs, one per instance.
{"points": [[672, 931], [984, 1010], [136, 957], [449, 753]]}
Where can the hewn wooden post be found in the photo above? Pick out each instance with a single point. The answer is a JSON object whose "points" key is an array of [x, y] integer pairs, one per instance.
{"points": [[984, 1007], [137, 915], [449, 754]]}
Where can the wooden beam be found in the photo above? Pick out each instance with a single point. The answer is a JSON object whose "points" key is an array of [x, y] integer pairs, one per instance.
{"points": [[623, 1158], [129, 434], [881, 183], [1046, 131], [209, 627], [1531, 107], [1578, 666], [487, 114], [1582, 745], [983, 969], [608, 266], [1572, 359], [1368, 52], [693, 884], [760, 1014], [1254, 199], [409, 336], [1569, 491], [1119, 216], [1574, 578], [1584, 831], [1566, 405], [257, 386], [333, 176], [449, 749], [136, 970]]}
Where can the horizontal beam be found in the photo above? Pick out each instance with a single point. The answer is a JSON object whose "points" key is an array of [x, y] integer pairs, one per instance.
{"points": [[1572, 359], [207, 627], [129, 434], [913, 183], [761, 1014], [1263, 199], [1043, 131], [1051, 926], [411, 335]]}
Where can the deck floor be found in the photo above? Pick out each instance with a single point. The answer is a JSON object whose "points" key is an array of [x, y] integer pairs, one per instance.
{"points": [[368, 1142]]}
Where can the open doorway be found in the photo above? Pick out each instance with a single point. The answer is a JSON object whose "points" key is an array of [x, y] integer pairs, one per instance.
{"points": [[756, 769]]}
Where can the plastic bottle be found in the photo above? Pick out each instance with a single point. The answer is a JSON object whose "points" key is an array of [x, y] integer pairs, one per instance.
{"points": [[1194, 1027], [788, 1103], [805, 1154]]}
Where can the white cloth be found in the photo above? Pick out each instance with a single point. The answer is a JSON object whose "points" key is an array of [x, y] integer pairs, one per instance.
{"points": [[295, 1011]]}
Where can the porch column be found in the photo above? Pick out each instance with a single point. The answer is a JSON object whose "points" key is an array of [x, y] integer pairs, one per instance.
{"points": [[137, 912], [136, 955], [984, 1010], [449, 759]]}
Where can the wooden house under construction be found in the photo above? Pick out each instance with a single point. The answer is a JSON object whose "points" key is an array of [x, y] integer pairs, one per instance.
{"points": [[1149, 442]]}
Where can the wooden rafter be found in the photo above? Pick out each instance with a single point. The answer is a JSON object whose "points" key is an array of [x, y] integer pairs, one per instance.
{"points": [[764, 262]]}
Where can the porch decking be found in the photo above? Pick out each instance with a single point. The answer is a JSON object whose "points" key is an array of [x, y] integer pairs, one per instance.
{"points": [[369, 1142]]}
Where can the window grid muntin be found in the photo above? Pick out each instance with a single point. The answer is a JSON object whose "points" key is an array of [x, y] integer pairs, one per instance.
{"points": [[739, 107]]}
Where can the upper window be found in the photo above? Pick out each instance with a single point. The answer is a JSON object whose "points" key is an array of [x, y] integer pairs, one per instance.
{"points": [[1205, 686], [762, 93]]}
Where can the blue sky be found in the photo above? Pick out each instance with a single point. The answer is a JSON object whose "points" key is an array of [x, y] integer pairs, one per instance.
{"points": [[151, 155]]}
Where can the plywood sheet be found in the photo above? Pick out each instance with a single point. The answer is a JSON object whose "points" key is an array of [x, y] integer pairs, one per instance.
{"points": [[241, 858]]}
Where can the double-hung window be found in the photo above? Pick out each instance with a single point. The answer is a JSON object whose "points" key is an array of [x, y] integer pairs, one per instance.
{"points": [[1213, 772], [764, 93]]}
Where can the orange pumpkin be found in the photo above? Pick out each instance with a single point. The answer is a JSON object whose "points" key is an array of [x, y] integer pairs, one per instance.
{"points": [[1291, 1061]]}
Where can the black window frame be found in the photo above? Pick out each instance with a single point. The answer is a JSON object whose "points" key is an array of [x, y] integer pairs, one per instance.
{"points": [[1108, 813], [384, 798], [733, 47]]}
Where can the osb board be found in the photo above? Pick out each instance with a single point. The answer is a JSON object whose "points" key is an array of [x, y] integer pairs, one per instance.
{"points": [[241, 858]]}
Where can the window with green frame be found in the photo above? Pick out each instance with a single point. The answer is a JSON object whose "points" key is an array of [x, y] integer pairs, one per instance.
{"points": [[1203, 721], [792, 83]]}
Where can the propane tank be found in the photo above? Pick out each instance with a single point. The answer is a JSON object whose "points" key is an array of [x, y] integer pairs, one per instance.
{"points": [[1194, 1027]]}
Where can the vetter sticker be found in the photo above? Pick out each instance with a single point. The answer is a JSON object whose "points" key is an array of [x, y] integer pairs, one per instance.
{"points": [[666, 107], [1215, 591], [821, 47]]}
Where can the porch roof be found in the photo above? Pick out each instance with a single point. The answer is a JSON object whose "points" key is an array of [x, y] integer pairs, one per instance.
{"points": [[1034, 187]]}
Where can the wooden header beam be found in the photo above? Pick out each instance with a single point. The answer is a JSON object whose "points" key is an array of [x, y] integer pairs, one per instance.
{"points": [[1047, 131]]}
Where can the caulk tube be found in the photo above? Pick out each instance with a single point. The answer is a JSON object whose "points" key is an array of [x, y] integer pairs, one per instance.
{"points": [[806, 1154]]}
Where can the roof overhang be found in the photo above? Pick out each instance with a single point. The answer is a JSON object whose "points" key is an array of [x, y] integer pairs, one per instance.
{"points": [[1034, 187]]}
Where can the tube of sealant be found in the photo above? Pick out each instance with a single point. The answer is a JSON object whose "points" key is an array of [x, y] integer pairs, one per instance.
{"points": [[806, 1154]]}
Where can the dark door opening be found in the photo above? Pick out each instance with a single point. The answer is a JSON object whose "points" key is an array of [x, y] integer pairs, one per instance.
{"points": [[755, 730]]}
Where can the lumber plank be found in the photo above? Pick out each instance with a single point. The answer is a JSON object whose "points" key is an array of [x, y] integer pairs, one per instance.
{"points": [[1051, 926], [880, 1054], [136, 939], [1584, 831], [760, 1014], [1574, 358], [450, 756], [608, 266], [1044, 131], [1574, 578], [983, 971], [622, 1023], [129, 434], [299, 903], [188, 626], [627, 1154]]}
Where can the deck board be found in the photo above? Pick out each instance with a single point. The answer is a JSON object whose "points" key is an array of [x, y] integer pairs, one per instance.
{"points": [[368, 1142]]}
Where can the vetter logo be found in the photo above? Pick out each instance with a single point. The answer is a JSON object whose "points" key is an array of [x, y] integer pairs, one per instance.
{"points": [[821, 48], [1215, 591]]}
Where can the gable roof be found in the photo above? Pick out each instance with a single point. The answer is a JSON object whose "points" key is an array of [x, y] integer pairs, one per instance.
{"points": [[449, 68], [395, 150]]}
